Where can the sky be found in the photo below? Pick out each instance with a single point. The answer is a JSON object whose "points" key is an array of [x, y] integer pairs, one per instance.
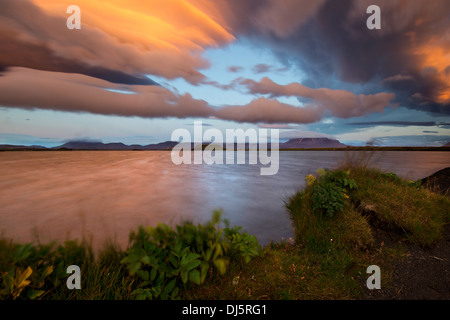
{"points": [[138, 70]]}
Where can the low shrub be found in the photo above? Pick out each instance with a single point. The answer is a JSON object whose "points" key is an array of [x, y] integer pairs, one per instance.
{"points": [[167, 259], [31, 271], [329, 191]]}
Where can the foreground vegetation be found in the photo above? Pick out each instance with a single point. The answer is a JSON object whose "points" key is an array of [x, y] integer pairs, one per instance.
{"points": [[337, 219]]}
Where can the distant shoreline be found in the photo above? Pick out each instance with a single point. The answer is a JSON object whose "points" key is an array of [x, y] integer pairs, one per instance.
{"points": [[374, 149], [293, 149], [297, 144]]}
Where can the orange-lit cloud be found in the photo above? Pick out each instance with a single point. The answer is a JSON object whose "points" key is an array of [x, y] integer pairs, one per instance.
{"points": [[122, 41], [29, 89], [149, 24], [339, 103], [436, 64], [162, 38]]}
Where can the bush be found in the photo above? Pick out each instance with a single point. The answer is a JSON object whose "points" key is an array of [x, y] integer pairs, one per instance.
{"points": [[166, 259], [323, 215], [329, 191], [30, 271]]}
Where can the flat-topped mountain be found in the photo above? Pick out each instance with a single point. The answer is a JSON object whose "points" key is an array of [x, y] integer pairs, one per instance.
{"points": [[310, 143], [89, 145]]}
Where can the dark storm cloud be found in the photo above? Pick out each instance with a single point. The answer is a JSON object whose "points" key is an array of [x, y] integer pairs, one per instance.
{"points": [[331, 43], [40, 57], [352, 71], [38, 54]]}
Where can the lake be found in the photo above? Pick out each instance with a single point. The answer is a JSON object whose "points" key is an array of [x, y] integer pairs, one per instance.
{"points": [[105, 194]]}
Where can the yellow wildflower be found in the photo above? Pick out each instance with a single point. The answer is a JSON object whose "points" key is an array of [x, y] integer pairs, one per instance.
{"points": [[310, 179], [321, 171]]}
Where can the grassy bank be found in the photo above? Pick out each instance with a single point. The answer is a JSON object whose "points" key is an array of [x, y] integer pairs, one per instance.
{"points": [[340, 218]]}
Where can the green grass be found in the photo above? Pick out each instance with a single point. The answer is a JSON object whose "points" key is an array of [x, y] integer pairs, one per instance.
{"points": [[334, 244], [284, 272], [397, 205], [402, 204], [102, 276]]}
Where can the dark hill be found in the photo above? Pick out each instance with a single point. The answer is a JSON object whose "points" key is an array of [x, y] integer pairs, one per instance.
{"points": [[88, 145], [311, 143], [439, 181]]}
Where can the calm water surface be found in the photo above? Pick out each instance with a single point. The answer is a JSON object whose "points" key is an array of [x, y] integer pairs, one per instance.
{"points": [[105, 194]]}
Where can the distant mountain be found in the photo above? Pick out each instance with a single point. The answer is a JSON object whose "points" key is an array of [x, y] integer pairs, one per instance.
{"points": [[298, 143], [310, 143], [89, 145], [167, 145], [20, 147]]}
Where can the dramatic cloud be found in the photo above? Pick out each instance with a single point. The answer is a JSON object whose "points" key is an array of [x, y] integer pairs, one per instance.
{"points": [[134, 38], [295, 134], [330, 42], [351, 71], [339, 103], [270, 111], [267, 17], [28, 88]]}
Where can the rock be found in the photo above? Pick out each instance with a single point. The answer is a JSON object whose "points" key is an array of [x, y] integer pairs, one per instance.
{"points": [[438, 182]]}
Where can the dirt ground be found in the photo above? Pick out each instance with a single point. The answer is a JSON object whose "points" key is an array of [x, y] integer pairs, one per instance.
{"points": [[424, 274]]}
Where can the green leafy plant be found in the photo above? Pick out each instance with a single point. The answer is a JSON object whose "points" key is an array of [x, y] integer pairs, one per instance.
{"points": [[329, 191], [242, 244], [27, 271], [391, 175], [410, 183], [167, 259]]}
